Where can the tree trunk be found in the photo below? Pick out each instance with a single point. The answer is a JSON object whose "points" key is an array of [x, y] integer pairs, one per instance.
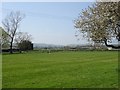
{"points": [[11, 45], [115, 47]]}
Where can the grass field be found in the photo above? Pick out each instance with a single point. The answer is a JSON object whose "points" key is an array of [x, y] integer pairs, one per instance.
{"points": [[85, 69]]}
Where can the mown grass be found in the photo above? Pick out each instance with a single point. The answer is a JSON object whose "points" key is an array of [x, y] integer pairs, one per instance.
{"points": [[85, 69]]}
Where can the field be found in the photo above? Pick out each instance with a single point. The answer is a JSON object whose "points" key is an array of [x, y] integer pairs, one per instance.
{"points": [[83, 69]]}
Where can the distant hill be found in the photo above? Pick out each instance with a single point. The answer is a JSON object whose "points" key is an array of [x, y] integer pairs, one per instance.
{"points": [[43, 45]]}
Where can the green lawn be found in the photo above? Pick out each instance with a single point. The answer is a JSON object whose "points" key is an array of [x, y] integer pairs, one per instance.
{"points": [[85, 69]]}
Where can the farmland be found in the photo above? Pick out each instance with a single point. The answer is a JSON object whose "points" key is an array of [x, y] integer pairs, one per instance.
{"points": [[81, 69]]}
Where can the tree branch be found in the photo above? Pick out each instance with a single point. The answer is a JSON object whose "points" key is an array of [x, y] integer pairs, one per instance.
{"points": [[115, 47]]}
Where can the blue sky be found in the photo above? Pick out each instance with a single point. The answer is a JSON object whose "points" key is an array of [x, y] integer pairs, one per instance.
{"points": [[48, 22]]}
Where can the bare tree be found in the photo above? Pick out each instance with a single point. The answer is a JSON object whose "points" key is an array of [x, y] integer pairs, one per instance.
{"points": [[11, 24]]}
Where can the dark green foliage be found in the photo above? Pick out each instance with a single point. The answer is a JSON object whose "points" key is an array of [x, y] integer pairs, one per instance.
{"points": [[25, 45]]}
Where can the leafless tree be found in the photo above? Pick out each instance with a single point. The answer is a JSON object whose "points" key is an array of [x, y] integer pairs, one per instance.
{"points": [[11, 24]]}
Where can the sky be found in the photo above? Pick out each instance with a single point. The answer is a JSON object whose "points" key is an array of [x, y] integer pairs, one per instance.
{"points": [[48, 22]]}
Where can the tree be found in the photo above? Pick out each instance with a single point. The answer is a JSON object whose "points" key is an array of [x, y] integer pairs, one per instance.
{"points": [[25, 45], [22, 36], [0, 39], [11, 24], [4, 38], [100, 23]]}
